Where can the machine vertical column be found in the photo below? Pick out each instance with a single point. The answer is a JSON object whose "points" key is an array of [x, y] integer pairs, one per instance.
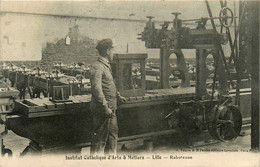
{"points": [[255, 73], [164, 67], [201, 72]]}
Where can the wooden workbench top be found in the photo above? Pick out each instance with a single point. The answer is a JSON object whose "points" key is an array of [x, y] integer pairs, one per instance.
{"points": [[172, 91], [39, 107]]}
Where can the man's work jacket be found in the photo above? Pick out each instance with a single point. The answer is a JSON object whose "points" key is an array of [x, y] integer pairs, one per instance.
{"points": [[103, 88]]}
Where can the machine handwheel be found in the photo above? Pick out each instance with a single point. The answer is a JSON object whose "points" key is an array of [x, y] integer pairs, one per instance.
{"points": [[226, 17], [226, 124]]}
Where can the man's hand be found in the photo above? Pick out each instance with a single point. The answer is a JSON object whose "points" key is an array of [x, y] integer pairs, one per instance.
{"points": [[121, 99], [109, 112]]}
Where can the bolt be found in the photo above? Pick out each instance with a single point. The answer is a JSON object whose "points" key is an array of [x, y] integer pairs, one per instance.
{"points": [[176, 14], [150, 18]]}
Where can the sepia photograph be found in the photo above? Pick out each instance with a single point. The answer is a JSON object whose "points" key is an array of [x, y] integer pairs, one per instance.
{"points": [[130, 83]]}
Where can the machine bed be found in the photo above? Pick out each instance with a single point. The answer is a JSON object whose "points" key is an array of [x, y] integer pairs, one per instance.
{"points": [[44, 107]]}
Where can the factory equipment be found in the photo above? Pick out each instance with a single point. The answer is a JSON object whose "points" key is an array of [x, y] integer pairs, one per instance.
{"points": [[37, 81], [214, 113], [7, 97]]}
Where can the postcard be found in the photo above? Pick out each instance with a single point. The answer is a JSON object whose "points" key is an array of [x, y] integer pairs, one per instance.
{"points": [[129, 83]]}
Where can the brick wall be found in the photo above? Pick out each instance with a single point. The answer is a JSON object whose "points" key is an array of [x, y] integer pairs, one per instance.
{"points": [[80, 49]]}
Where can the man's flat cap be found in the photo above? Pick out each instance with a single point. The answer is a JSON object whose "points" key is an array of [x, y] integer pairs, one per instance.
{"points": [[104, 44]]}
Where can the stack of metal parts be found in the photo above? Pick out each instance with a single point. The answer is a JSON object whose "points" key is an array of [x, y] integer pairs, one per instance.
{"points": [[39, 82]]}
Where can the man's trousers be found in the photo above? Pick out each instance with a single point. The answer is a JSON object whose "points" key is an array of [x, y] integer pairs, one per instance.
{"points": [[105, 134]]}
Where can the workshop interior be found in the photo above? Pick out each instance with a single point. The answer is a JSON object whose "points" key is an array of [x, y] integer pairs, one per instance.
{"points": [[189, 72]]}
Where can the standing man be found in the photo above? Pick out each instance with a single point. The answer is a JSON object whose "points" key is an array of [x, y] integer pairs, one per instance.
{"points": [[104, 101]]}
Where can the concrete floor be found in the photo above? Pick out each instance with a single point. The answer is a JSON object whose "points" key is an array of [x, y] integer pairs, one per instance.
{"points": [[163, 144], [166, 152]]}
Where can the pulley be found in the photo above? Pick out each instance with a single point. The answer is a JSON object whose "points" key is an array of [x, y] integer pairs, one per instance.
{"points": [[226, 17], [225, 122]]}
